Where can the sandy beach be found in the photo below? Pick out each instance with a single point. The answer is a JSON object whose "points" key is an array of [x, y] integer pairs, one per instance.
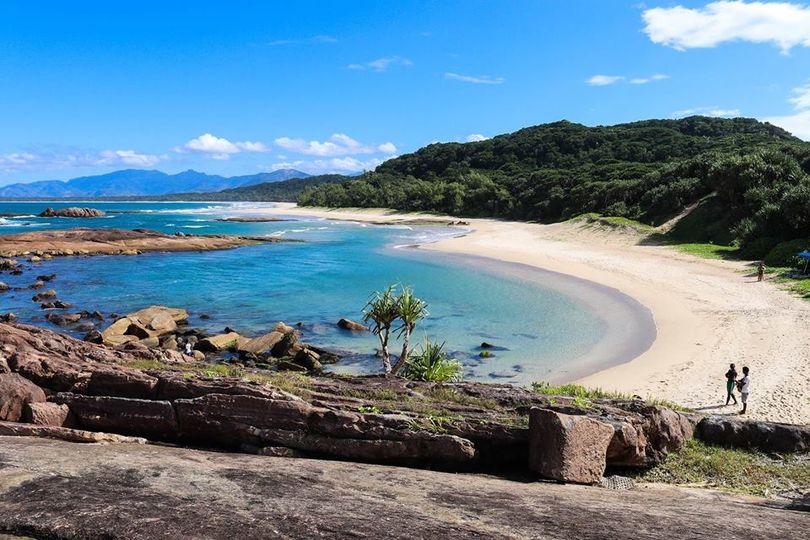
{"points": [[708, 313]]}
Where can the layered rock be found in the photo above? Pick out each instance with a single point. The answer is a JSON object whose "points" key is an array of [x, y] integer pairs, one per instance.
{"points": [[766, 436], [15, 393]]}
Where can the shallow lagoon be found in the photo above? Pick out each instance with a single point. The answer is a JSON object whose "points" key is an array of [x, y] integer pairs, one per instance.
{"points": [[553, 327]]}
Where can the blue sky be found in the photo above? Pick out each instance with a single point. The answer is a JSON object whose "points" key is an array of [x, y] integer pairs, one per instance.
{"points": [[239, 87]]}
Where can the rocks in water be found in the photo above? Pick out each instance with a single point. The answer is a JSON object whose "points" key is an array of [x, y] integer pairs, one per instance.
{"points": [[205, 316], [58, 304], [8, 265], [154, 321], [8, 318], [72, 212], [219, 343], [94, 315], [309, 359], [45, 295], [348, 324], [48, 414], [46, 278], [15, 392], [261, 344], [568, 448], [765, 436], [65, 319], [3, 287], [37, 284], [289, 344]]}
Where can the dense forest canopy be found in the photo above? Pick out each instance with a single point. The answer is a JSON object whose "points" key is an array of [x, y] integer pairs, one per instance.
{"points": [[750, 180]]}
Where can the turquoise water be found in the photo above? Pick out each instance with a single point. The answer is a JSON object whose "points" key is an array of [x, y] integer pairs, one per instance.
{"points": [[548, 332]]}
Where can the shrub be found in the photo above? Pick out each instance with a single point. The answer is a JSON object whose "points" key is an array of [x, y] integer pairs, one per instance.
{"points": [[784, 254], [431, 364]]}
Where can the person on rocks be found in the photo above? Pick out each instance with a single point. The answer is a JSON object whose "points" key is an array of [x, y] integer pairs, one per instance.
{"points": [[761, 271], [189, 352], [731, 380], [743, 385]]}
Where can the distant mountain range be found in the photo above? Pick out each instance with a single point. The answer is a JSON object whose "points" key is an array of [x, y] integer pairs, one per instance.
{"points": [[138, 182]]}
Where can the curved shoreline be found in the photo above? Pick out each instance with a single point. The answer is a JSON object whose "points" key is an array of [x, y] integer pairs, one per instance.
{"points": [[630, 328], [708, 313]]}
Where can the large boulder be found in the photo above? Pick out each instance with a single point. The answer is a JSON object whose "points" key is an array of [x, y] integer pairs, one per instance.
{"points": [[289, 345], [72, 212], [569, 448], [15, 392], [151, 322], [220, 342], [765, 436], [261, 344], [48, 414]]}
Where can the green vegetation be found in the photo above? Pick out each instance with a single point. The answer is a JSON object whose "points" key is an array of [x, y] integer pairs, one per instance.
{"points": [[614, 222], [736, 182], [585, 396], [432, 365], [282, 191], [736, 470], [709, 251], [385, 308]]}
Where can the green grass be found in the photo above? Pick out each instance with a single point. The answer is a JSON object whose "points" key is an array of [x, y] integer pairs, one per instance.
{"points": [[801, 287], [735, 470], [446, 394], [708, 251], [584, 397], [614, 222]]}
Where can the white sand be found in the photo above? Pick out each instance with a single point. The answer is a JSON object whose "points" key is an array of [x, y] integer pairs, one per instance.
{"points": [[708, 313]]}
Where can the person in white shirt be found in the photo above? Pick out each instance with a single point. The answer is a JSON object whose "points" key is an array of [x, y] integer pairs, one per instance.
{"points": [[744, 385]]}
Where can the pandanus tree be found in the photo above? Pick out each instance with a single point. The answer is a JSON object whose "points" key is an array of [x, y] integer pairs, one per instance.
{"points": [[383, 310]]}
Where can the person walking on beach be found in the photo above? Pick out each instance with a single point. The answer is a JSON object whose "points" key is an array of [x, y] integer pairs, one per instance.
{"points": [[731, 382], [744, 385], [761, 271]]}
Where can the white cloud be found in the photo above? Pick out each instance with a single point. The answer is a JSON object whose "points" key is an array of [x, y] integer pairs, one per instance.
{"points": [[604, 80], [474, 79], [325, 166], [652, 78], [128, 157], [784, 24], [303, 41], [339, 144], [797, 123], [476, 137], [715, 112], [218, 147], [56, 159], [382, 64]]}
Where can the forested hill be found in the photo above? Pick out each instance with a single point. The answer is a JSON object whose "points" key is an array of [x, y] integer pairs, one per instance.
{"points": [[751, 176]]}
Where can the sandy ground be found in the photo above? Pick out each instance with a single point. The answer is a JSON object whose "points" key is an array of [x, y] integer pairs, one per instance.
{"points": [[708, 313]]}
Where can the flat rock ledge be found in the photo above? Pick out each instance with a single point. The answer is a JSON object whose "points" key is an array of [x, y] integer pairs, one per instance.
{"points": [[54, 489], [85, 241]]}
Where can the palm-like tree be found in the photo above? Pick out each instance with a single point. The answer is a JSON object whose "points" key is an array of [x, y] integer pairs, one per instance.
{"points": [[380, 312], [410, 310]]}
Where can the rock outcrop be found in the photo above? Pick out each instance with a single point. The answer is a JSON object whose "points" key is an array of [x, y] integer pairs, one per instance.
{"points": [[569, 448], [15, 393], [151, 322], [72, 212], [766, 436], [84, 241]]}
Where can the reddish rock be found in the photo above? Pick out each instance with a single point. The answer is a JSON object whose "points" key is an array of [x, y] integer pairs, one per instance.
{"points": [[568, 448], [48, 414], [145, 418], [15, 393]]}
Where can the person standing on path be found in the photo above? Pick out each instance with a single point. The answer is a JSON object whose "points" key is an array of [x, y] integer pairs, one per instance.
{"points": [[731, 382], [744, 385], [761, 271]]}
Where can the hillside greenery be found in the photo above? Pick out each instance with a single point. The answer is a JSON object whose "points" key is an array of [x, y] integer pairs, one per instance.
{"points": [[281, 191], [739, 181]]}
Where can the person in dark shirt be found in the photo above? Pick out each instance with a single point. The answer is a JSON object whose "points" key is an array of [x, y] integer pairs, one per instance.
{"points": [[731, 379]]}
